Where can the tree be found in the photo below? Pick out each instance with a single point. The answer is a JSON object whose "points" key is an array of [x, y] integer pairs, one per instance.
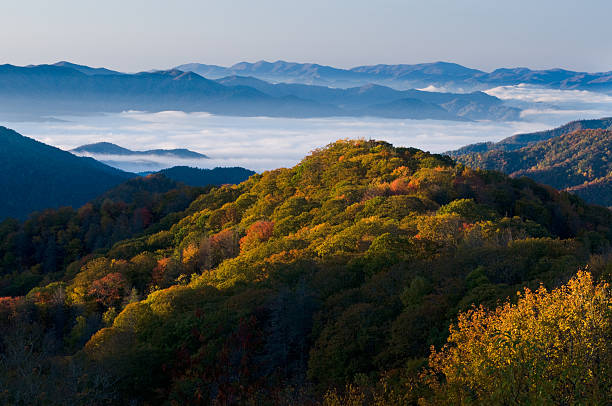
{"points": [[109, 290], [550, 348], [259, 231]]}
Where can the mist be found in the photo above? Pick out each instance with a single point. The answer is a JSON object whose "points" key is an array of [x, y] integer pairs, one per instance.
{"points": [[263, 143]]}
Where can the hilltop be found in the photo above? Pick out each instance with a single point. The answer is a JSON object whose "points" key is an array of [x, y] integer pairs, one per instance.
{"points": [[344, 269]]}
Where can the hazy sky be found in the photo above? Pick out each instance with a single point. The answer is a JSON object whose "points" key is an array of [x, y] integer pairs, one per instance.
{"points": [[133, 35]]}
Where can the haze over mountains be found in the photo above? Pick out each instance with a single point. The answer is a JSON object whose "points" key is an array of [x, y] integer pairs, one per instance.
{"points": [[148, 161], [108, 148]]}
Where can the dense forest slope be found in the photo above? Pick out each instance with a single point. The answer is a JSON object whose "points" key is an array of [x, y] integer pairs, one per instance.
{"points": [[580, 161], [205, 177], [519, 141], [36, 176], [40, 249], [342, 270]]}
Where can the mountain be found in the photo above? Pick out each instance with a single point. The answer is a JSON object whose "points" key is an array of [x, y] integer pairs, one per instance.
{"points": [[522, 140], [86, 69], [368, 98], [206, 177], [445, 75], [409, 108], [313, 74], [108, 148], [36, 176], [68, 89], [325, 283], [579, 161], [48, 89]]}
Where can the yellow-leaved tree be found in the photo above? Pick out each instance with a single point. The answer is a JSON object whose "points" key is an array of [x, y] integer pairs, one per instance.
{"points": [[550, 348]]}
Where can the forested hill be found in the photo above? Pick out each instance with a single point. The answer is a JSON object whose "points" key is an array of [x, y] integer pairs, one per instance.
{"points": [[580, 161], [321, 283], [37, 176], [519, 141], [204, 177], [51, 243]]}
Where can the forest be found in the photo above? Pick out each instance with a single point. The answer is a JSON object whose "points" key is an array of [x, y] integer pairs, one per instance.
{"points": [[579, 161], [367, 274]]}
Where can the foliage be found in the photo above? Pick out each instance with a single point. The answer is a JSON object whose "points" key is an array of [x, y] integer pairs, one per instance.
{"points": [[550, 348], [338, 273], [579, 161], [47, 243]]}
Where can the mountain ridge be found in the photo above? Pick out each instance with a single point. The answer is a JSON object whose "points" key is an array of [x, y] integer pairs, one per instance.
{"points": [[403, 76], [114, 149], [579, 161], [52, 89], [37, 176]]}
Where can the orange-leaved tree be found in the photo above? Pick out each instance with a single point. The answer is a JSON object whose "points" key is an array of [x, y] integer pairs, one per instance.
{"points": [[550, 348]]}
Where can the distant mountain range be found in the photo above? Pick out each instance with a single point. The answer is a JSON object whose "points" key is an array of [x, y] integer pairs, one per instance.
{"points": [[576, 157], [108, 148], [450, 76], [377, 100], [66, 88], [149, 161]]}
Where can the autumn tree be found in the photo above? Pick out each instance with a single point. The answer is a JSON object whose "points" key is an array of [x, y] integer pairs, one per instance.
{"points": [[258, 232], [550, 348], [109, 290]]}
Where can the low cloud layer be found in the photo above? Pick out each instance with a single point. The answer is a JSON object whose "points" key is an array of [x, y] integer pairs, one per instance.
{"points": [[559, 97], [262, 143], [256, 143]]}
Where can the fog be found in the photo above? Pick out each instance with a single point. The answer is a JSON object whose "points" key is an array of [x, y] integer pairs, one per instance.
{"points": [[262, 143]]}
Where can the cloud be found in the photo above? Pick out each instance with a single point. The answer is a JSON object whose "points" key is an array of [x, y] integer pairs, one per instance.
{"points": [[252, 142], [559, 97], [262, 143], [432, 88]]}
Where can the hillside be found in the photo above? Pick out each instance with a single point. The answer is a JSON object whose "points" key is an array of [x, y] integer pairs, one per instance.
{"points": [[36, 176], [579, 161], [286, 288], [522, 140], [205, 177], [43, 247]]}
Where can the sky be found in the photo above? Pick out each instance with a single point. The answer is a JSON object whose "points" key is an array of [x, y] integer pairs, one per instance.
{"points": [[137, 35]]}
